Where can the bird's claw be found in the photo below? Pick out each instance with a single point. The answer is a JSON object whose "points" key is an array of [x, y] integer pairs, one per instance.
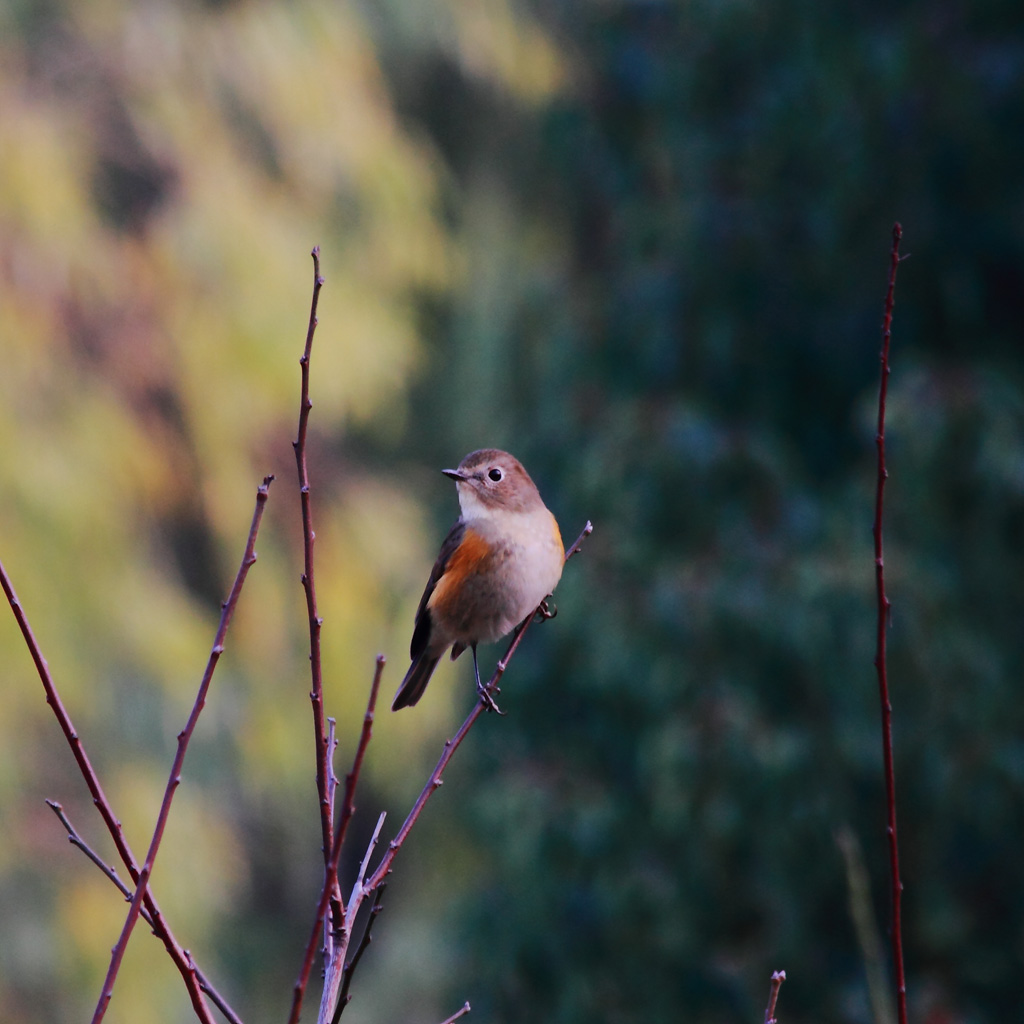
{"points": [[487, 700], [545, 610]]}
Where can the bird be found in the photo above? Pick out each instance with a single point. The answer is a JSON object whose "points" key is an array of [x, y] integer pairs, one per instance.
{"points": [[498, 564]]}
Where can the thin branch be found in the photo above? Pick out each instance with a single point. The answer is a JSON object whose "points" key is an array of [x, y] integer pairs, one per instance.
{"points": [[332, 747], [337, 971], [346, 982], [434, 782], [248, 558], [331, 872], [333, 976], [316, 694], [181, 959], [884, 611], [108, 869], [348, 807], [778, 977], [359, 887], [458, 1013], [332, 788], [588, 529], [111, 873]]}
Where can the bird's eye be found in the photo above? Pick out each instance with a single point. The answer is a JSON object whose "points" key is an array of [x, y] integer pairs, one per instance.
{"points": [[495, 474]]}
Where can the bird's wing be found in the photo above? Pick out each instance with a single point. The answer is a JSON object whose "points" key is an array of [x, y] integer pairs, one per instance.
{"points": [[421, 634]]}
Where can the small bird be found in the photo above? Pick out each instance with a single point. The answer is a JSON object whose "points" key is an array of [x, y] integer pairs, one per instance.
{"points": [[496, 566]]}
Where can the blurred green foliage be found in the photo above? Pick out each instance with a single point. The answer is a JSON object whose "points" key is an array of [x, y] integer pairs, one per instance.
{"points": [[642, 245]]}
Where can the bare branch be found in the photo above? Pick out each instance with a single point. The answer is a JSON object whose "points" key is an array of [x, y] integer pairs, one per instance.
{"points": [[434, 782], [331, 873], [360, 888], [332, 787], [348, 807], [778, 977], [181, 959], [332, 746], [337, 973], [316, 694], [248, 558], [75, 839], [884, 611], [588, 529], [343, 996], [459, 1013], [108, 869]]}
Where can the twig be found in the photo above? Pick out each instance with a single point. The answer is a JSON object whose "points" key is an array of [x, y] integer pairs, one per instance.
{"points": [[332, 787], [76, 840], [359, 887], [108, 869], [335, 972], [248, 558], [884, 610], [316, 694], [588, 529], [183, 962], [434, 782], [332, 746], [348, 807], [350, 967], [331, 872], [458, 1013], [778, 977]]}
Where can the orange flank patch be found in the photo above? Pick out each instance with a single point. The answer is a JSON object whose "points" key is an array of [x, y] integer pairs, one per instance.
{"points": [[557, 534], [464, 562]]}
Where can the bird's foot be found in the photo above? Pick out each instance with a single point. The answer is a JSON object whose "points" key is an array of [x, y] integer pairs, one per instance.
{"points": [[487, 700], [545, 610]]}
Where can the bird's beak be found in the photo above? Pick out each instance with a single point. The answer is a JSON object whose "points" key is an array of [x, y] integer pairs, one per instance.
{"points": [[454, 474]]}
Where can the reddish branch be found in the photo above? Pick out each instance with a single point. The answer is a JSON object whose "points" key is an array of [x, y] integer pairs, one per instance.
{"points": [[882, 627], [778, 977], [339, 974], [76, 840], [316, 695], [331, 873], [348, 807], [379, 876], [248, 558], [434, 782], [181, 958]]}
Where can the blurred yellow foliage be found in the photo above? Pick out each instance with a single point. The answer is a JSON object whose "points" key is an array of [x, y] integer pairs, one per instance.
{"points": [[165, 171]]}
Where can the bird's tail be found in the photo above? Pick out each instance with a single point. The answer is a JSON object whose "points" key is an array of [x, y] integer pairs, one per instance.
{"points": [[415, 681]]}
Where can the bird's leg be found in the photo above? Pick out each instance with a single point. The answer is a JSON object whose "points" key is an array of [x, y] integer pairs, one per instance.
{"points": [[482, 690], [545, 611]]}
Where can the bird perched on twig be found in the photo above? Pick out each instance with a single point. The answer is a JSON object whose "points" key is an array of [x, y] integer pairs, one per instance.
{"points": [[496, 566]]}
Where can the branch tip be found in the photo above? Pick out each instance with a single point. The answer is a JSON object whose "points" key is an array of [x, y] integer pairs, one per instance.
{"points": [[883, 620]]}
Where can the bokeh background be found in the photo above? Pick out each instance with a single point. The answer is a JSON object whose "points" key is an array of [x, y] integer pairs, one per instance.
{"points": [[644, 246]]}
